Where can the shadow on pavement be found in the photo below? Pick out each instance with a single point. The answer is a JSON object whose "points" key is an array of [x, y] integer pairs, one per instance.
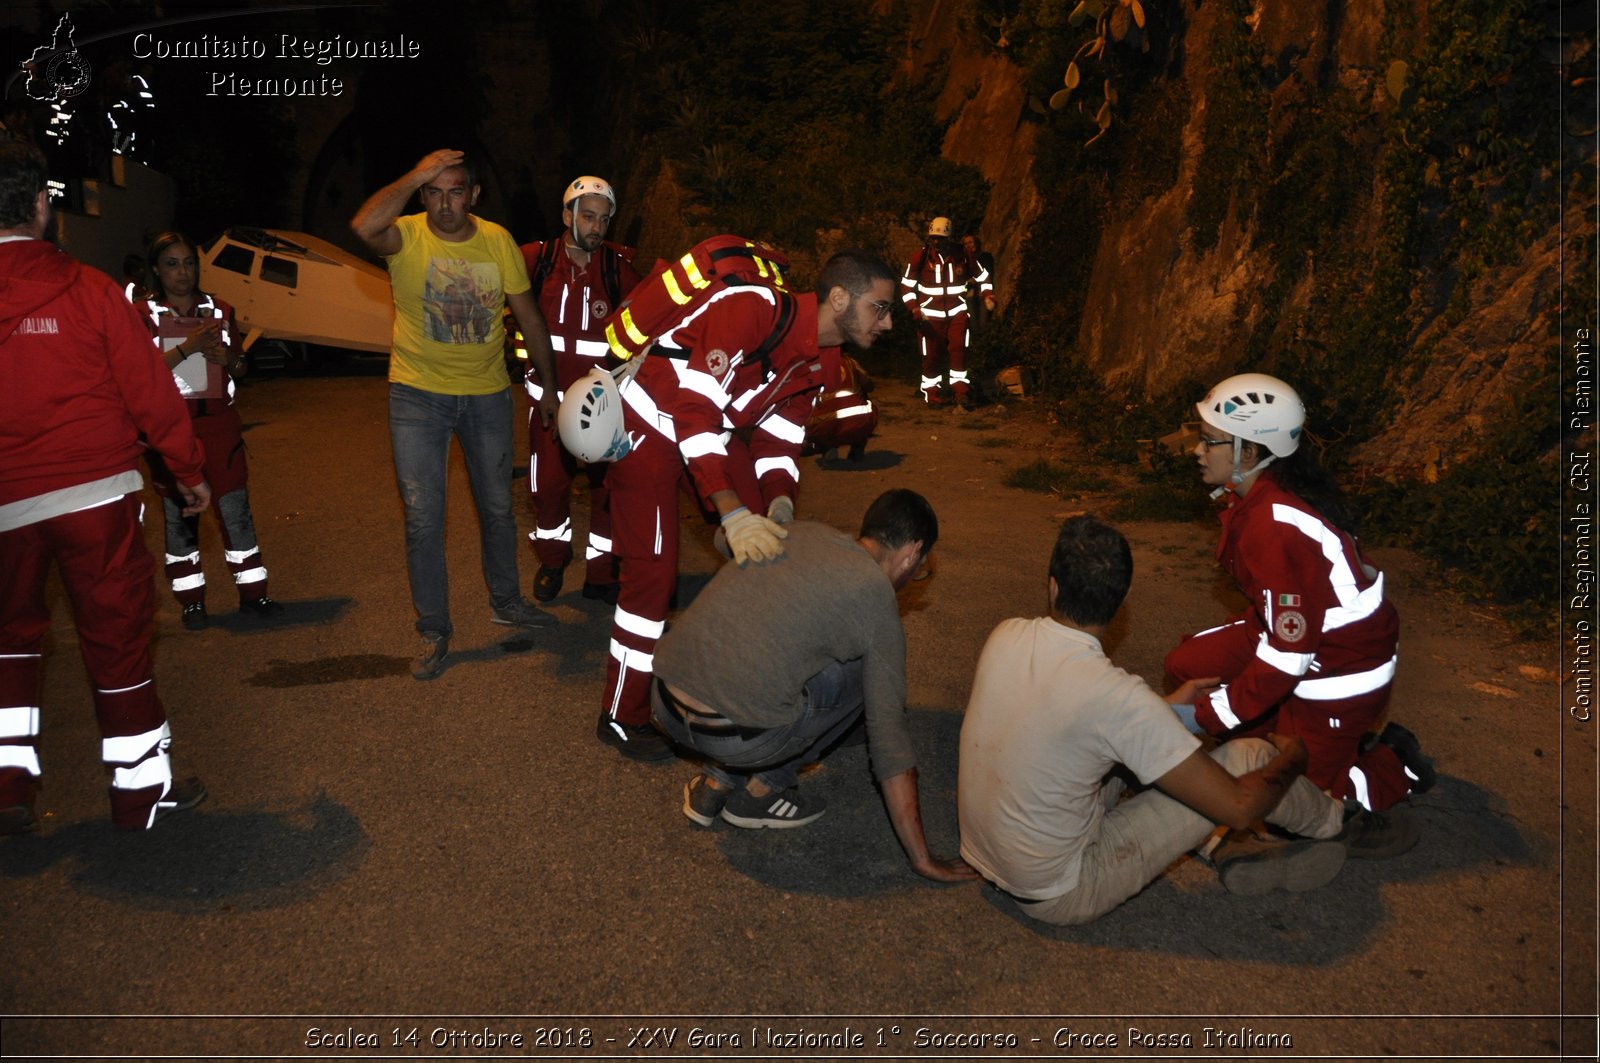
{"points": [[295, 614], [852, 851], [871, 461], [200, 861], [1187, 912]]}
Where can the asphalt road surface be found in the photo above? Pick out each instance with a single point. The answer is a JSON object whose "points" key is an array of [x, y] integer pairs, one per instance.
{"points": [[395, 869]]}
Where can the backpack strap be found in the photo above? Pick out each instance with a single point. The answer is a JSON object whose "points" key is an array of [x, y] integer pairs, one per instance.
{"points": [[611, 273], [787, 311], [786, 316], [545, 264]]}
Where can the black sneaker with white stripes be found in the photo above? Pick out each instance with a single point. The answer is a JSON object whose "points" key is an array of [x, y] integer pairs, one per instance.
{"points": [[791, 808]]}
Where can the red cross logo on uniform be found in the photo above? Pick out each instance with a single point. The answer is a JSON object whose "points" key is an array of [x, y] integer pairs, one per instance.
{"points": [[1290, 626]]}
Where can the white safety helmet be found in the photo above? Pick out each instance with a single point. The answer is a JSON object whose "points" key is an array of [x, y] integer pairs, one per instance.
{"points": [[939, 227], [1257, 408], [588, 186], [590, 418]]}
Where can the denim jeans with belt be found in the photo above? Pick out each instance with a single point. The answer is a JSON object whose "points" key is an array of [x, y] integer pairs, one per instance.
{"points": [[831, 703], [420, 426]]}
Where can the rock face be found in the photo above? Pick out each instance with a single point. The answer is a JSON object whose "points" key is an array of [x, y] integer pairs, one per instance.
{"points": [[1160, 310]]}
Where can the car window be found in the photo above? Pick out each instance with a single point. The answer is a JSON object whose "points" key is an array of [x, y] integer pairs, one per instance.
{"points": [[235, 259], [282, 271]]}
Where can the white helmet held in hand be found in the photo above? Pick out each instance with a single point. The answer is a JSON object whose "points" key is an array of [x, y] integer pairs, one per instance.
{"points": [[1256, 408], [939, 227], [588, 186], [590, 419]]}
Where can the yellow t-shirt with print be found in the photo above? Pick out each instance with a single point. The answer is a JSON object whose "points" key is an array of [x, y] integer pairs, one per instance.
{"points": [[449, 299]]}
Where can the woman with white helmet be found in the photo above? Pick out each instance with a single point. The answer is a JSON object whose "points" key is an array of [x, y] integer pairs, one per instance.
{"points": [[1315, 653]]}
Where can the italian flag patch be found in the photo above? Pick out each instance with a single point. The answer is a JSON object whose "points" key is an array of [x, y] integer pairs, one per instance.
{"points": [[1288, 599]]}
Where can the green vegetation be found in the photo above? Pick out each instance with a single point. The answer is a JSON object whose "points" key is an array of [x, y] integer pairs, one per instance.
{"points": [[1054, 478]]}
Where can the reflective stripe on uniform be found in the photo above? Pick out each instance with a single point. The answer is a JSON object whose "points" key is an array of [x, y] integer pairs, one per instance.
{"points": [[1224, 711], [1288, 663], [1358, 783], [19, 721], [848, 411], [783, 429], [24, 757], [249, 575], [645, 406], [786, 465], [702, 443], [631, 658], [562, 532], [700, 383], [130, 749], [634, 624], [1353, 604], [1335, 687]]}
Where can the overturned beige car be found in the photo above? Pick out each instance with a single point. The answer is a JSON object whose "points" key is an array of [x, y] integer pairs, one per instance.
{"points": [[293, 290]]}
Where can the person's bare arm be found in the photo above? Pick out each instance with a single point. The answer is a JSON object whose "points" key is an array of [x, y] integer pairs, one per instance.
{"points": [[374, 222], [905, 814], [1205, 786]]}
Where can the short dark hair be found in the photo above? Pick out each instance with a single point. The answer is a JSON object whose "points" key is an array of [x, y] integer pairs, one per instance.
{"points": [[854, 270], [1092, 566], [22, 177], [898, 517], [160, 243], [469, 164]]}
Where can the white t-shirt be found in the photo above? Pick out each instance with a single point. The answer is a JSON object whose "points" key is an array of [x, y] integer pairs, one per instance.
{"points": [[1049, 717]]}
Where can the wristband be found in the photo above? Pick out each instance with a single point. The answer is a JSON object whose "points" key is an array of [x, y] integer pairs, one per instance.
{"points": [[733, 513]]}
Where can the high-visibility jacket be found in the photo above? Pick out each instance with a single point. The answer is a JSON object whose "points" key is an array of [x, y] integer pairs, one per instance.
{"points": [[936, 283], [705, 379], [1322, 629], [577, 302]]}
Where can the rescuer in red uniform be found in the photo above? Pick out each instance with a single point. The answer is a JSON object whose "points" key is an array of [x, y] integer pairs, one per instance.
{"points": [[1314, 656], [579, 279], [84, 393], [935, 290], [706, 398], [175, 296]]}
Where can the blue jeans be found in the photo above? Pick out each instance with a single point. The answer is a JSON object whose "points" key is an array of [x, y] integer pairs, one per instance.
{"points": [[832, 702], [420, 426]]}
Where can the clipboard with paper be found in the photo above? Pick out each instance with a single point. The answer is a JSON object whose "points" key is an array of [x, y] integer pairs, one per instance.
{"points": [[197, 378]]}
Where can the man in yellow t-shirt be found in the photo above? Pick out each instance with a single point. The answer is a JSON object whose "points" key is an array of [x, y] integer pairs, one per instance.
{"points": [[453, 274]]}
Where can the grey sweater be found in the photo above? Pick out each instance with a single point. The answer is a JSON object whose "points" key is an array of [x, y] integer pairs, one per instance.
{"points": [[749, 642]]}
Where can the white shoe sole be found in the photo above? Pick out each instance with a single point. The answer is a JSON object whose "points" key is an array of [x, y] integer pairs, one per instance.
{"points": [[767, 822]]}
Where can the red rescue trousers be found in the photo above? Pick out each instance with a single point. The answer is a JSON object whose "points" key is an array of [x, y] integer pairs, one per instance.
{"points": [[1332, 730], [941, 337], [109, 578], [551, 470]]}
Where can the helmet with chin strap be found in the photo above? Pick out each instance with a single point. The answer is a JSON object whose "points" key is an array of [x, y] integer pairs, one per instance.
{"points": [[1255, 408], [590, 419], [588, 186]]}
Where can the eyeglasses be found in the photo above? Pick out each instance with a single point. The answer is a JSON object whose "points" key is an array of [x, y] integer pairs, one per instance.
{"points": [[882, 306], [1209, 443]]}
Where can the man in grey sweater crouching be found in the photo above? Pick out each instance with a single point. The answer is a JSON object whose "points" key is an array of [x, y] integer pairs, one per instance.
{"points": [[775, 662]]}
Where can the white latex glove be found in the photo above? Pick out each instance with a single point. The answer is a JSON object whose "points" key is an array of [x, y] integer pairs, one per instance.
{"points": [[782, 510], [753, 537]]}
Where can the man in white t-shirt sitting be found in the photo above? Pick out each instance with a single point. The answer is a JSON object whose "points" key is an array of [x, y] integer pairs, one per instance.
{"points": [[1051, 718]]}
